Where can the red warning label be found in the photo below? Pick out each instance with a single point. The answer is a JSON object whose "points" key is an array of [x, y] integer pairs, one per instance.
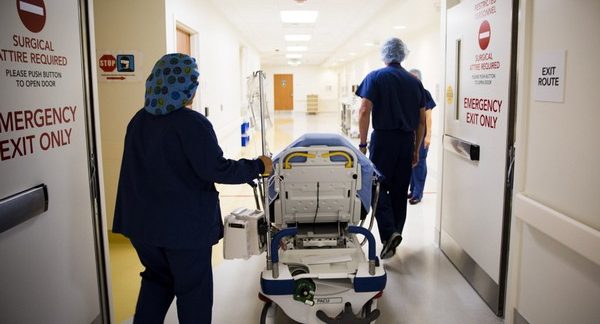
{"points": [[32, 14], [484, 35]]}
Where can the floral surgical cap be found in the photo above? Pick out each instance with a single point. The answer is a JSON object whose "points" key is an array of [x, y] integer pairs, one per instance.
{"points": [[172, 84]]}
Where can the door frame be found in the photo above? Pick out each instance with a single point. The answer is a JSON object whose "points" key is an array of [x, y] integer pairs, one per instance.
{"points": [[86, 13]]}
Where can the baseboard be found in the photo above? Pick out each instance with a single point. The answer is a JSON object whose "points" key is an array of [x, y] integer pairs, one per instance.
{"points": [[483, 284]]}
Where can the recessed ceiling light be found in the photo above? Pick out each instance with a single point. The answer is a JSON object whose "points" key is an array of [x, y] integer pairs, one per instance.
{"points": [[293, 55], [299, 16], [294, 62], [400, 27], [297, 38], [369, 44], [296, 48]]}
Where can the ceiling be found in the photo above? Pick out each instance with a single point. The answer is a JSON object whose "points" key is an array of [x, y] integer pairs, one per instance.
{"points": [[340, 33]]}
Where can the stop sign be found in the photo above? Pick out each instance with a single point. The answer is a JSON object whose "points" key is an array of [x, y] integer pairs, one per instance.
{"points": [[107, 63]]}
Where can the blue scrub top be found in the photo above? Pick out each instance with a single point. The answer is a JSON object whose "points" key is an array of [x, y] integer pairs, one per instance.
{"points": [[397, 97], [429, 102], [166, 194]]}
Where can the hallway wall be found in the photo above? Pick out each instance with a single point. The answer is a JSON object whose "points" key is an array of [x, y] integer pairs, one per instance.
{"points": [[555, 259], [124, 25], [307, 80], [224, 60]]}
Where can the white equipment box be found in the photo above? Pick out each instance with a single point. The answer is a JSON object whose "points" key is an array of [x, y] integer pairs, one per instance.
{"points": [[242, 238]]}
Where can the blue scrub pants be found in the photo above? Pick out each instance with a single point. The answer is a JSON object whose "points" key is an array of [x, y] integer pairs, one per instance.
{"points": [[391, 152], [419, 173], [186, 274]]}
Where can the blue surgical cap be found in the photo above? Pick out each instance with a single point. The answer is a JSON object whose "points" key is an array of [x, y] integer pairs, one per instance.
{"points": [[172, 84], [393, 51]]}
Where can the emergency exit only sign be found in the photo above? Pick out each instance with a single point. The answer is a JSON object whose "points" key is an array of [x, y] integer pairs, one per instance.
{"points": [[549, 76]]}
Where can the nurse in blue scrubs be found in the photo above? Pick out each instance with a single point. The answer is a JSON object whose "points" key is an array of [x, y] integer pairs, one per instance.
{"points": [[395, 100], [167, 204], [419, 172]]}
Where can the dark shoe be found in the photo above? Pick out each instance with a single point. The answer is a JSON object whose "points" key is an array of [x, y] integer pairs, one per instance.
{"points": [[409, 196], [389, 247], [414, 201]]}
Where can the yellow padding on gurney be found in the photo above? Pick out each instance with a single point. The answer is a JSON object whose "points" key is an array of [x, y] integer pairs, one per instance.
{"points": [[286, 161], [339, 153]]}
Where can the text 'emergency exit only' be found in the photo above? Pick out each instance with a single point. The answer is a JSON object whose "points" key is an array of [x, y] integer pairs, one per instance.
{"points": [[28, 144]]}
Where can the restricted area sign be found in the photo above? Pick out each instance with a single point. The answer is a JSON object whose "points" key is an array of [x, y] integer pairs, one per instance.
{"points": [[107, 63], [32, 14], [484, 35]]}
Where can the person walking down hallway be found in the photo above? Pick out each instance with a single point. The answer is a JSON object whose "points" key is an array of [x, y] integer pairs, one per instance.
{"points": [[419, 172], [167, 203], [396, 101]]}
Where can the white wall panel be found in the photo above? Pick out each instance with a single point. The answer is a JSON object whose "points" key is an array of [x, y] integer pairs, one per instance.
{"points": [[562, 141], [557, 285], [554, 258]]}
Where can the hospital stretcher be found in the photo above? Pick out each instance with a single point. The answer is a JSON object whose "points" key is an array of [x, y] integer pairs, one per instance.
{"points": [[317, 201]]}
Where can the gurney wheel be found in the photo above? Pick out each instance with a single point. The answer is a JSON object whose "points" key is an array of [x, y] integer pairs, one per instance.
{"points": [[269, 313], [272, 314], [348, 317]]}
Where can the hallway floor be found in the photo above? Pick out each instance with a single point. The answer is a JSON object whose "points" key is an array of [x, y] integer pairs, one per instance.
{"points": [[422, 286]]}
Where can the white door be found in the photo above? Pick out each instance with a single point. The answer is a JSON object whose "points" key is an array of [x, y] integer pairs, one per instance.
{"points": [[477, 144], [49, 271]]}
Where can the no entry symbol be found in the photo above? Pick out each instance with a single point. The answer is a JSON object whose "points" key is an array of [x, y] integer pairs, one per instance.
{"points": [[32, 14], [484, 35]]}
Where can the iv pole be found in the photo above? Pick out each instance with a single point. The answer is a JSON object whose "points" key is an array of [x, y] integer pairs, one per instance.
{"points": [[265, 178]]}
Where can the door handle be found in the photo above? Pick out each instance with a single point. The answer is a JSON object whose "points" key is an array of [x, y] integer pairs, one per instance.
{"points": [[511, 166], [22, 206], [465, 149]]}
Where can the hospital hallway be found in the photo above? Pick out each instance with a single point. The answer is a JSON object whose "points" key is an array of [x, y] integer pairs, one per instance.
{"points": [[422, 285]]}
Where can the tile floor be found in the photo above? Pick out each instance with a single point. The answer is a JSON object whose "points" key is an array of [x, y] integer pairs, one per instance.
{"points": [[422, 287]]}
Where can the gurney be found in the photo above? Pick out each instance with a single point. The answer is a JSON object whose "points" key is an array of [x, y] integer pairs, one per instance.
{"points": [[310, 226]]}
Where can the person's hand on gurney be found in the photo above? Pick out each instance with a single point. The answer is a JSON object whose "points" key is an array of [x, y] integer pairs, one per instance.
{"points": [[363, 148], [268, 163]]}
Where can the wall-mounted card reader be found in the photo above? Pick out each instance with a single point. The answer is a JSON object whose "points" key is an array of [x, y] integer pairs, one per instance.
{"points": [[22, 206]]}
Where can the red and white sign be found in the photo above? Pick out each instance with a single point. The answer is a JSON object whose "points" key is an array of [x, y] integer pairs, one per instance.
{"points": [[107, 63], [32, 14], [484, 35]]}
